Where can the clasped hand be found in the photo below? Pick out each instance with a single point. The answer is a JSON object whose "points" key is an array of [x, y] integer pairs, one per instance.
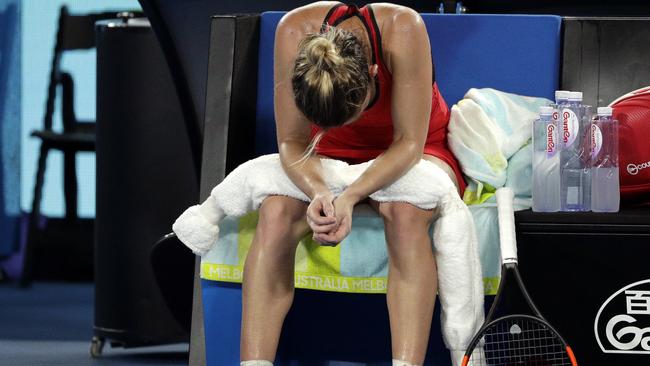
{"points": [[330, 218]]}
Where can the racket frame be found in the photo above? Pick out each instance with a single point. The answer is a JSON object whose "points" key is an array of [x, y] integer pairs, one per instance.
{"points": [[506, 269], [509, 260]]}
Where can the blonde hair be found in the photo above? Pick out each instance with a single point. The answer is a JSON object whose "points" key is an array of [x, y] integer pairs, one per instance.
{"points": [[310, 149], [330, 77]]}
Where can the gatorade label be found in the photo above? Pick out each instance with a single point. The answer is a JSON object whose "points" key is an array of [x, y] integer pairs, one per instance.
{"points": [[551, 140], [570, 126], [596, 140]]}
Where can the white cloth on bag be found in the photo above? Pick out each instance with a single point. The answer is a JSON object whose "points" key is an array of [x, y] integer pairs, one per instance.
{"points": [[487, 127]]}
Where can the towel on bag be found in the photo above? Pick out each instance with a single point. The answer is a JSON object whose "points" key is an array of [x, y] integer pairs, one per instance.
{"points": [[487, 128], [425, 186]]}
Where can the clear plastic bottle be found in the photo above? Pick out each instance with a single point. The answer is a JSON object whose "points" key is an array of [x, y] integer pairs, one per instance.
{"points": [[561, 101], [605, 190], [575, 159], [562, 97], [546, 162]]}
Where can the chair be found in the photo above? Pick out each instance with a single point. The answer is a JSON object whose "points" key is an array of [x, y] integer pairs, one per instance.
{"points": [[466, 53], [75, 32]]}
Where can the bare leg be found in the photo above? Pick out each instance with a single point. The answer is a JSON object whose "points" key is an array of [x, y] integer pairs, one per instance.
{"points": [[412, 275], [412, 278], [268, 283]]}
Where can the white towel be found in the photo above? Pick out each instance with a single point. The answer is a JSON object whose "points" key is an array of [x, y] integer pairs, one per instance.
{"points": [[487, 127], [425, 186]]}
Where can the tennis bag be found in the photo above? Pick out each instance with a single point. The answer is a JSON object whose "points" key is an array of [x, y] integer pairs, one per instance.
{"points": [[632, 111]]}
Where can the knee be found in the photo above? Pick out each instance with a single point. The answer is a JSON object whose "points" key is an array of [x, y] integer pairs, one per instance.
{"points": [[279, 216], [405, 215], [404, 221]]}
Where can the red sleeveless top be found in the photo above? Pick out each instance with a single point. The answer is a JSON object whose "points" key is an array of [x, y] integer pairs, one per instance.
{"points": [[371, 134]]}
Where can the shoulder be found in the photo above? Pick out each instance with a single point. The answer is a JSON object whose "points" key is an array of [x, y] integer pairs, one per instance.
{"points": [[305, 19], [402, 31], [292, 29], [395, 20]]}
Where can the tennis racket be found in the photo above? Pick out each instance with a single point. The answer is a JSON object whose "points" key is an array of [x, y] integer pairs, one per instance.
{"points": [[515, 339]]}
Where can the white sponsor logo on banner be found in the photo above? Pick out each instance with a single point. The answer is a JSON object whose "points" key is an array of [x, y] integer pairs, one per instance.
{"points": [[625, 324]]}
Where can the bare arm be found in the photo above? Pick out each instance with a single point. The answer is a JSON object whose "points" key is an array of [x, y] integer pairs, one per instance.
{"points": [[410, 60], [293, 129]]}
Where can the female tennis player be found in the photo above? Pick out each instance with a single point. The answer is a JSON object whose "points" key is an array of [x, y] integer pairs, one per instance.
{"points": [[352, 84]]}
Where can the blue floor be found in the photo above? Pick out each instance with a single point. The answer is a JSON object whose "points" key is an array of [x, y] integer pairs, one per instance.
{"points": [[51, 324]]}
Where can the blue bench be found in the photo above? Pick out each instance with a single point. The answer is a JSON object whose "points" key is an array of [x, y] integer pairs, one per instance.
{"points": [[518, 54]]}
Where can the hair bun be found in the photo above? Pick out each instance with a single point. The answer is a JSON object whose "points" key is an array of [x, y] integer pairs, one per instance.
{"points": [[322, 52]]}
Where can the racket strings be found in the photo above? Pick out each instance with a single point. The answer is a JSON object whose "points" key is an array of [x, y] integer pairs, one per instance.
{"points": [[519, 342]]}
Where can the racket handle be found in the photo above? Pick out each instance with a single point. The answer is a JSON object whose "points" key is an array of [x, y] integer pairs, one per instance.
{"points": [[505, 207]]}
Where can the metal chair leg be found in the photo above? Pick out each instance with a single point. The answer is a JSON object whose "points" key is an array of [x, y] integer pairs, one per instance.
{"points": [[70, 184], [34, 216]]}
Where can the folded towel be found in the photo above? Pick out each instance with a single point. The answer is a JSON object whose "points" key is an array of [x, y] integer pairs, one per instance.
{"points": [[425, 186], [486, 128]]}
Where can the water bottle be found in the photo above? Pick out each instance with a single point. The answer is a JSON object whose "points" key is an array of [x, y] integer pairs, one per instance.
{"points": [[561, 101], [546, 162], [575, 160], [605, 191], [562, 97]]}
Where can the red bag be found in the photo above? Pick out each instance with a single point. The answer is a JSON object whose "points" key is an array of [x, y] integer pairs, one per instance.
{"points": [[633, 114]]}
